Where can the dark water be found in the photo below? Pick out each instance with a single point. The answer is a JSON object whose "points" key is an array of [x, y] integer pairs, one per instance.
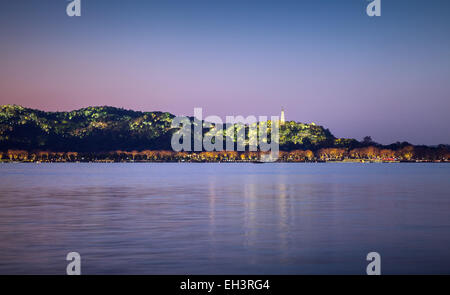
{"points": [[224, 218]]}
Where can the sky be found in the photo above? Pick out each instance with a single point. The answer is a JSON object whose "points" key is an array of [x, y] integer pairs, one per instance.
{"points": [[323, 61]]}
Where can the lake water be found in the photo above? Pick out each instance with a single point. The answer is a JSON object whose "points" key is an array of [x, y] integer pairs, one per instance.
{"points": [[171, 218]]}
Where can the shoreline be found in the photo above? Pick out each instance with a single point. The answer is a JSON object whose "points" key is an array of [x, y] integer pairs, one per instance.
{"points": [[226, 162]]}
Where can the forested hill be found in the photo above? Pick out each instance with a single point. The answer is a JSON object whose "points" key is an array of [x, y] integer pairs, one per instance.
{"points": [[97, 129], [88, 129]]}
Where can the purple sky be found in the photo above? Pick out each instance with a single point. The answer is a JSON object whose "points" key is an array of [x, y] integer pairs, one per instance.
{"points": [[323, 61]]}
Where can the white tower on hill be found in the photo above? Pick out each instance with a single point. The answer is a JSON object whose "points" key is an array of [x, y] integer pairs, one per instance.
{"points": [[282, 120]]}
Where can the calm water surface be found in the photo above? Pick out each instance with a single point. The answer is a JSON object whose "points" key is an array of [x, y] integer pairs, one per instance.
{"points": [[224, 218]]}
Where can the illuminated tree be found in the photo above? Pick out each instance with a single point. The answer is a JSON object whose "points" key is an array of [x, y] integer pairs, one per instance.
{"points": [[371, 152], [42, 154], [253, 156], [17, 155], [134, 154], [181, 155], [297, 155], [331, 153], [406, 153], [387, 154], [232, 155], [309, 155], [72, 156], [165, 155]]}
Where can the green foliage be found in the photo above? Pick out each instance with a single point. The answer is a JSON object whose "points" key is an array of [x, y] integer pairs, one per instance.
{"points": [[88, 129], [105, 128], [292, 133]]}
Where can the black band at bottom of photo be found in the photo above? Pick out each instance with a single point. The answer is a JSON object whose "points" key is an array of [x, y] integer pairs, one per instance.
{"points": [[223, 284]]}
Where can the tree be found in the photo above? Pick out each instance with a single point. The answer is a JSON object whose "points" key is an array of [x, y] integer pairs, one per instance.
{"points": [[371, 152], [232, 155], [149, 155], [367, 140], [134, 154], [331, 153], [253, 155], [387, 154], [72, 156], [42, 154], [309, 155], [17, 155], [406, 153], [181, 156], [297, 155], [165, 155]]}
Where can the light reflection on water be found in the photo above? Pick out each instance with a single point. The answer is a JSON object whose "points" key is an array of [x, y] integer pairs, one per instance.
{"points": [[224, 218]]}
